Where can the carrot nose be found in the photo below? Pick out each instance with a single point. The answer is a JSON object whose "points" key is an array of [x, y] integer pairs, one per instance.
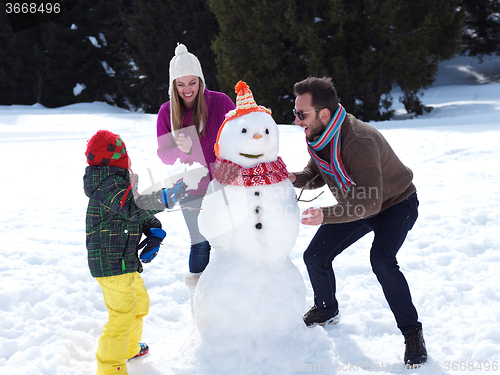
{"points": [[257, 136]]}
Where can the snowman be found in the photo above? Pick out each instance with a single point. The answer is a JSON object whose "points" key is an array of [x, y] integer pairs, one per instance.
{"points": [[250, 291], [248, 303]]}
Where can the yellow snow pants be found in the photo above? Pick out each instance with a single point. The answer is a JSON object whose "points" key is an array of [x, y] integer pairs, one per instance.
{"points": [[127, 301]]}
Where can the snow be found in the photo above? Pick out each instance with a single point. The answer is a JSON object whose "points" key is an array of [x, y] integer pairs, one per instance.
{"points": [[79, 87], [53, 312], [94, 41], [103, 39], [110, 71]]}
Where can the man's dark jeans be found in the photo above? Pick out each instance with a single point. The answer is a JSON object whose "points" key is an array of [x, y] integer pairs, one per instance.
{"points": [[390, 228]]}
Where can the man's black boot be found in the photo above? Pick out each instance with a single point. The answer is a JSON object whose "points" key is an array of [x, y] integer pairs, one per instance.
{"points": [[317, 317], [415, 353]]}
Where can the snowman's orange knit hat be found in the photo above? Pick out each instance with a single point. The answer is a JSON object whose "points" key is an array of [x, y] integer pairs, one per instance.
{"points": [[245, 104]]}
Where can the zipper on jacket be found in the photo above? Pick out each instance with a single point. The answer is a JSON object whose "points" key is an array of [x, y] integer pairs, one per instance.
{"points": [[125, 251]]}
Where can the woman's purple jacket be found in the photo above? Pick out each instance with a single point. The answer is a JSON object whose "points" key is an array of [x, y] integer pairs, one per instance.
{"points": [[218, 104]]}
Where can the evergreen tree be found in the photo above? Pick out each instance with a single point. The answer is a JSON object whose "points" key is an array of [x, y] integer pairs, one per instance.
{"points": [[21, 71], [21, 60], [84, 52], [73, 58], [365, 46], [119, 51], [481, 35], [154, 28], [256, 45]]}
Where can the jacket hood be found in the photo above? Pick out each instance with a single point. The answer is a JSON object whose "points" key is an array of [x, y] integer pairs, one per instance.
{"points": [[95, 175]]}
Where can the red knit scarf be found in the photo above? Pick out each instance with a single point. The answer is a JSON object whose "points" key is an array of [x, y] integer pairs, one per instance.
{"points": [[229, 173]]}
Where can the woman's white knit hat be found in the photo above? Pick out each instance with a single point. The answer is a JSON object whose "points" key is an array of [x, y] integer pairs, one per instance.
{"points": [[184, 64]]}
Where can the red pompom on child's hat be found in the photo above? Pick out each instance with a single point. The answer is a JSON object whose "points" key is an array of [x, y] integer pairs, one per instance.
{"points": [[106, 148]]}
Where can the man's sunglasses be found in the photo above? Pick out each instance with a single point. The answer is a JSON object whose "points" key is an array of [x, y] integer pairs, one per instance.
{"points": [[300, 115]]}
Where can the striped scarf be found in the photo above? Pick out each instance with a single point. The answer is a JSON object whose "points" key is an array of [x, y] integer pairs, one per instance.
{"points": [[332, 135]]}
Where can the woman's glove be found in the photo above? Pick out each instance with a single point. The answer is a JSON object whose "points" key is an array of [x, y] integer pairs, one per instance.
{"points": [[151, 245], [174, 194]]}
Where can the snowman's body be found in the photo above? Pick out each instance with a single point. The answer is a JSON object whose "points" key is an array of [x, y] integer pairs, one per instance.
{"points": [[250, 285], [256, 221]]}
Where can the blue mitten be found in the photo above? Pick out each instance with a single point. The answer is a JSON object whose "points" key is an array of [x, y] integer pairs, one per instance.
{"points": [[151, 245], [174, 194]]}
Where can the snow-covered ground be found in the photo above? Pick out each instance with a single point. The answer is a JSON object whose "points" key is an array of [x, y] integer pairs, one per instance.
{"points": [[52, 310]]}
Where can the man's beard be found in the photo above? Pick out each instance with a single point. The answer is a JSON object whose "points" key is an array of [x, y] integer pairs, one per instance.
{"points": [[319, 129]]}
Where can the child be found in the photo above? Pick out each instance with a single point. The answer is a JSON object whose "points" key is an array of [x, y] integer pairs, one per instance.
{"points": [[115, 223]]}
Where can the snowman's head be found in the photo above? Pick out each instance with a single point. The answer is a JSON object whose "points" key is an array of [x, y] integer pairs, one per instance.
{"points": [[249, 140], [249, 135]]}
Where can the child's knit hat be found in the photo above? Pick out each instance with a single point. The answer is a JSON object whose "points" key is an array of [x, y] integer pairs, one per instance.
{"points": [[183, 64], [106, 148]]}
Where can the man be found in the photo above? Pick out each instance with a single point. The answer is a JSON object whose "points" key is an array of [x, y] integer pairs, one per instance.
{"points": [[374, 191]]}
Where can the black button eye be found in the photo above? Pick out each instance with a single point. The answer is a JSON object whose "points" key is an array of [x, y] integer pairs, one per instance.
{"points": [[243, 130], [267, 131]]}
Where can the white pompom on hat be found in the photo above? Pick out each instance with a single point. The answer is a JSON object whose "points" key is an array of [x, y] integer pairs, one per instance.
{"points": [[184, 64]]}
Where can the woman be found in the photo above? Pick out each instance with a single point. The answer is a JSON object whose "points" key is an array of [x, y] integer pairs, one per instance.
{"points": [[187, 128]]}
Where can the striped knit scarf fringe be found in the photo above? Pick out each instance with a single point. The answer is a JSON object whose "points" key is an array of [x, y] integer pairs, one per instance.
{"points": [[332, 135]]}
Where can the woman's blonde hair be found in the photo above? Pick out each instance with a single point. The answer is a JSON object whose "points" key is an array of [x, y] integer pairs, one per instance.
{"points": [[178, 111]]}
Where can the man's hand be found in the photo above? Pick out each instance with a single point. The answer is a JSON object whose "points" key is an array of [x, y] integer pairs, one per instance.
{"points": [[184, 143], [312, 216], [292, 177]]}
